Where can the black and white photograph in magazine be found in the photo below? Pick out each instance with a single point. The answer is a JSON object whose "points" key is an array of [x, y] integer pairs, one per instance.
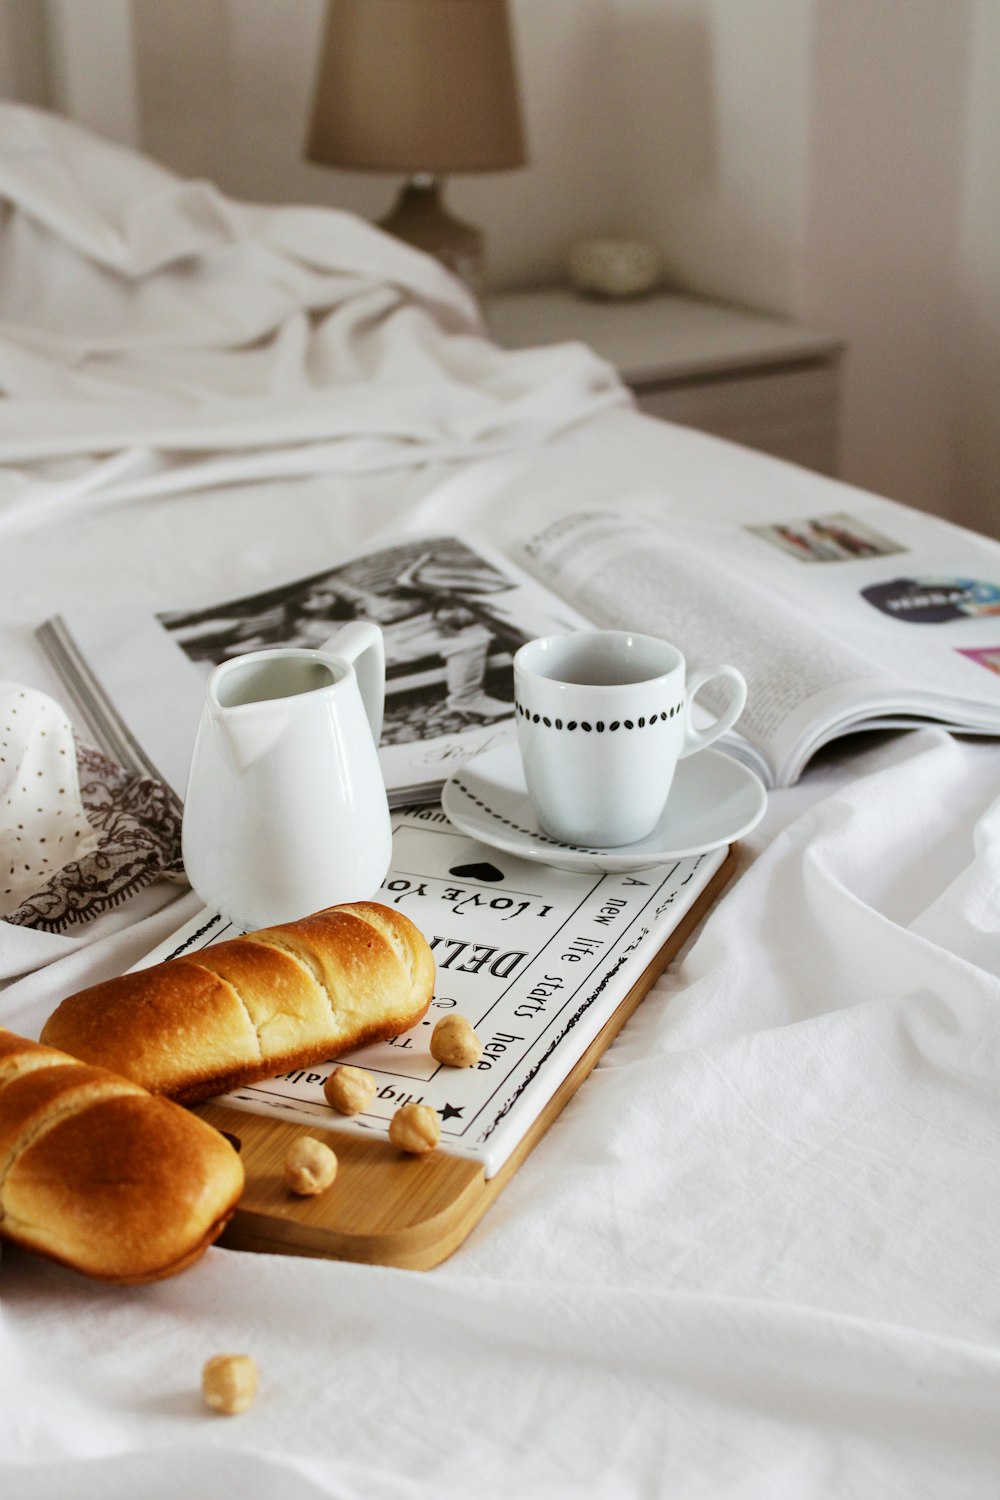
{"points": [[448, 643]]}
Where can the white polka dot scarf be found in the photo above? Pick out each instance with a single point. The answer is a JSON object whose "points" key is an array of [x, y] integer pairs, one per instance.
{"points": [[78, 833]]}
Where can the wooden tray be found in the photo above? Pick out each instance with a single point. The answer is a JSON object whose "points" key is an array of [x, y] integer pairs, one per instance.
{"points": [[386, 1208]]}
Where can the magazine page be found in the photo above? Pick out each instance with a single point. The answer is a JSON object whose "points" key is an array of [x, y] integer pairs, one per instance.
{"points": [[915, 595], [742, 595], [537, 959], [452, 613]]}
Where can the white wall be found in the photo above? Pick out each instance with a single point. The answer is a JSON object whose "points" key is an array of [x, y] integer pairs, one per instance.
{"points": [[23, 53], [836, 161], [975, 482], [714, 94], [886, 142], [833, 160]]}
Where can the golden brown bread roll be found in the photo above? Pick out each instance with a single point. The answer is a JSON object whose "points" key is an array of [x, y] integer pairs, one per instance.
{"points": [[281, 998], [99, 1174]]}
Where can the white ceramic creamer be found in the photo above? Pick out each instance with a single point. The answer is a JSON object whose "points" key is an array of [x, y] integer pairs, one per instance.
{"points": [[286, 809]]}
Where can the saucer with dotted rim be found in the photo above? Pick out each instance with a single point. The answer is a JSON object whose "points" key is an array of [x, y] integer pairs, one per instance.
{"points": [[713, 801]]}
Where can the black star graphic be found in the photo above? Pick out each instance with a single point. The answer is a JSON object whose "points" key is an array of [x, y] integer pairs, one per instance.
{"points": [[450, 1112]]}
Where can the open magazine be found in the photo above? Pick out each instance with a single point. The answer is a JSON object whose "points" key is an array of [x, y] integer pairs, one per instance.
{"points": [[452, 613], [839, 622]]}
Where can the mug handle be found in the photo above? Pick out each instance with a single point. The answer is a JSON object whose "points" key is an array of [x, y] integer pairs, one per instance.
{"points": [[699, 739], [362, 644]]}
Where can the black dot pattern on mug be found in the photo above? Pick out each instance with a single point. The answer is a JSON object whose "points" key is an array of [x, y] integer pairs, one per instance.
{"points": [[531, 833], [599, 726], [41, 821]]}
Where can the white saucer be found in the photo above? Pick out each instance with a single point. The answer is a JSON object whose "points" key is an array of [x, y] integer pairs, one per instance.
{"points": [[714, 800]]}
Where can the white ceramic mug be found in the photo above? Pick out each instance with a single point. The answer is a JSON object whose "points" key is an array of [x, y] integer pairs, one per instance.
{"points": [[603, 716]]}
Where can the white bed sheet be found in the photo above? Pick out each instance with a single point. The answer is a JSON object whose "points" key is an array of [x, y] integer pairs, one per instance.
{"points": [[754, 1257]]}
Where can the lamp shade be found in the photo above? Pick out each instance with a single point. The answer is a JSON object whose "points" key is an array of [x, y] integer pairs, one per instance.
{"points": [[417, 86]]}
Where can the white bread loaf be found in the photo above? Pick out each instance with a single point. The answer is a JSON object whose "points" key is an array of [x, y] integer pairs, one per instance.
{"points": [[99, 1174], [281, 998]]}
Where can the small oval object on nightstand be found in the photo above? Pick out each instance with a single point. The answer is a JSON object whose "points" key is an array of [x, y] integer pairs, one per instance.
{"points": [[613, 267]]}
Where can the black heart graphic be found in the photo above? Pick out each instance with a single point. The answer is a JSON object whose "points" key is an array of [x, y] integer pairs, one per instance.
{"points": [[477, 872]]}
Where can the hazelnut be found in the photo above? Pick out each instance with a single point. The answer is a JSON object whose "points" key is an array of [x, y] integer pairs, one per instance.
{"points": [[415, 1128], [310, 1167], [350, 1089], [454, 1043], [229, 1383]]}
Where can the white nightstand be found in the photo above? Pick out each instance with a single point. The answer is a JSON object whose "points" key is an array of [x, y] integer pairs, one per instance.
{"points": [[758, 380]]}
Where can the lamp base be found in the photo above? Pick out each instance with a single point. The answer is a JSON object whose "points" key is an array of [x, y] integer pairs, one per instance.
{"points": [[420, 218]]}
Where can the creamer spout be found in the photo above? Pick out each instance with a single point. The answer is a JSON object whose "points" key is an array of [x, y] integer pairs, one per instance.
{"points": [[248, 733]]}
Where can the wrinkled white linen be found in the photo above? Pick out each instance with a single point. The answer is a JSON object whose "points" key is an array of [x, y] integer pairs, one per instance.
{"points": [[755, 1255], [200, 340]]}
